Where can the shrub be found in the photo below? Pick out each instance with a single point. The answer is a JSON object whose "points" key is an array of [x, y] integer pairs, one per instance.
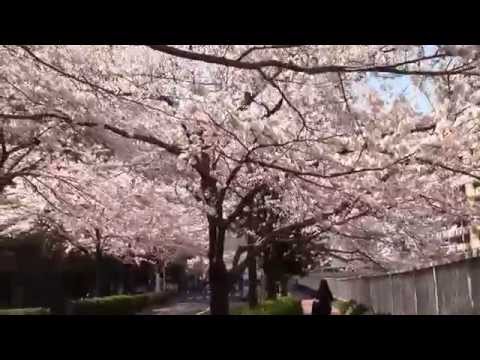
{"points": [[282, 306], [118, 304], [25, 311], [358, 309], [350, 307], [343, 306]]}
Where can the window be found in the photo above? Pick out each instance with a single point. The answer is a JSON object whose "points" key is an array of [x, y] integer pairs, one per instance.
{"points": [[462, 237]]}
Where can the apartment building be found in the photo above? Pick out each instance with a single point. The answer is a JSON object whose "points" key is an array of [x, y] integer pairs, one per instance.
{"points": [[464, 236]]}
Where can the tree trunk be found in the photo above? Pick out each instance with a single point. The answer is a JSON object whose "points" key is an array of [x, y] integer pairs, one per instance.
{"points": [[219, 279], [219, 288], [164, 277], [99, 271], [99, 277], [241, 287], [284, 286], [98, 282], [270, 275], [270, 286], [158, 287], [252, 276]]}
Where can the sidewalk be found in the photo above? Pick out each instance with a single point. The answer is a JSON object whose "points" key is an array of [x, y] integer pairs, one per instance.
{"points": [[186, 304]]}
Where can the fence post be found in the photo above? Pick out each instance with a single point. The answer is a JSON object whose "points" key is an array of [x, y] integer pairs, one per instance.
{"points": [[372, 297], [164, 277], [470, 291], [391, 292], [157, 281], [415, 291], [435, 284]]}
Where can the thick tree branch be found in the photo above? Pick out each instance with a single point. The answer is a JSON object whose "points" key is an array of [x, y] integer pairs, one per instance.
{"points": [[171, 148], [284, 97], [328, 176], [257, 48], [246, 200], [258, 65], [446, 167], [5, 154]]}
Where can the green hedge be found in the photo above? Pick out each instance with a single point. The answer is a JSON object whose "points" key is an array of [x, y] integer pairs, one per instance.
{"points": [[282, 306], [25, 311], [118, 304], [350, 307]]}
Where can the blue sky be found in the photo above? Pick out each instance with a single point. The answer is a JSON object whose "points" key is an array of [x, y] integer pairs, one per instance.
{"points": [[402, 85]]}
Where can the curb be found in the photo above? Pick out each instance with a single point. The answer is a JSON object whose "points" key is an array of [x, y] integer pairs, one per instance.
{"points": [[203, 312]]}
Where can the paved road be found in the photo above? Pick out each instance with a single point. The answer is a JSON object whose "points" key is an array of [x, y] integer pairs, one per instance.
{"points": [[194, 303], [181, 305], [185, 305]]}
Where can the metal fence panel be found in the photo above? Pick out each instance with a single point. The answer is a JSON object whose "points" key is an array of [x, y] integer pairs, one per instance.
{"points": [[341, 289], [361, 292], [453, 293], [381, 294], [457, 290], [425, 288], [475, 276], [404, 294], [309, 281]]}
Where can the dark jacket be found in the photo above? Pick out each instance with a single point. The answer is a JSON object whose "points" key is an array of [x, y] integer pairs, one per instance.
{"points": [[322, 304]]}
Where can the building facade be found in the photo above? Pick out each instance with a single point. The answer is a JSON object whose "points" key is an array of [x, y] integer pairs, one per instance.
{"points": [[464, 236]]}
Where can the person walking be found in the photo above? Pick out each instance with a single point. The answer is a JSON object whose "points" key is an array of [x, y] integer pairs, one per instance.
{"points": [[322, 304]]}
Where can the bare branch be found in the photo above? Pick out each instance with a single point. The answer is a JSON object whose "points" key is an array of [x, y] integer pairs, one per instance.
{"points": [[258, 65], [446, 167], [256, 48], [246, 200], [171, 148], [4, 148], [93, 85], [284, 97], [328, 176]]}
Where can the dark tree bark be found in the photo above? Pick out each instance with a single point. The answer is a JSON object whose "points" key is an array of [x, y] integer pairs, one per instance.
{"points": [[270, 274], [252, 275], [219, 289], [270, 285], [98, 275], [99, 267], [219, 278], [284, 285]]}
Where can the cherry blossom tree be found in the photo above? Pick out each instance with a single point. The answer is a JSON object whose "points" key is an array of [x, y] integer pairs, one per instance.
{"points": [[107, 210], [125, 216], [226, 122]]}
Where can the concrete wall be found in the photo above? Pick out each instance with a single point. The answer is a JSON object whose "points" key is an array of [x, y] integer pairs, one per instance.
{"points": [[448, 289]]}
